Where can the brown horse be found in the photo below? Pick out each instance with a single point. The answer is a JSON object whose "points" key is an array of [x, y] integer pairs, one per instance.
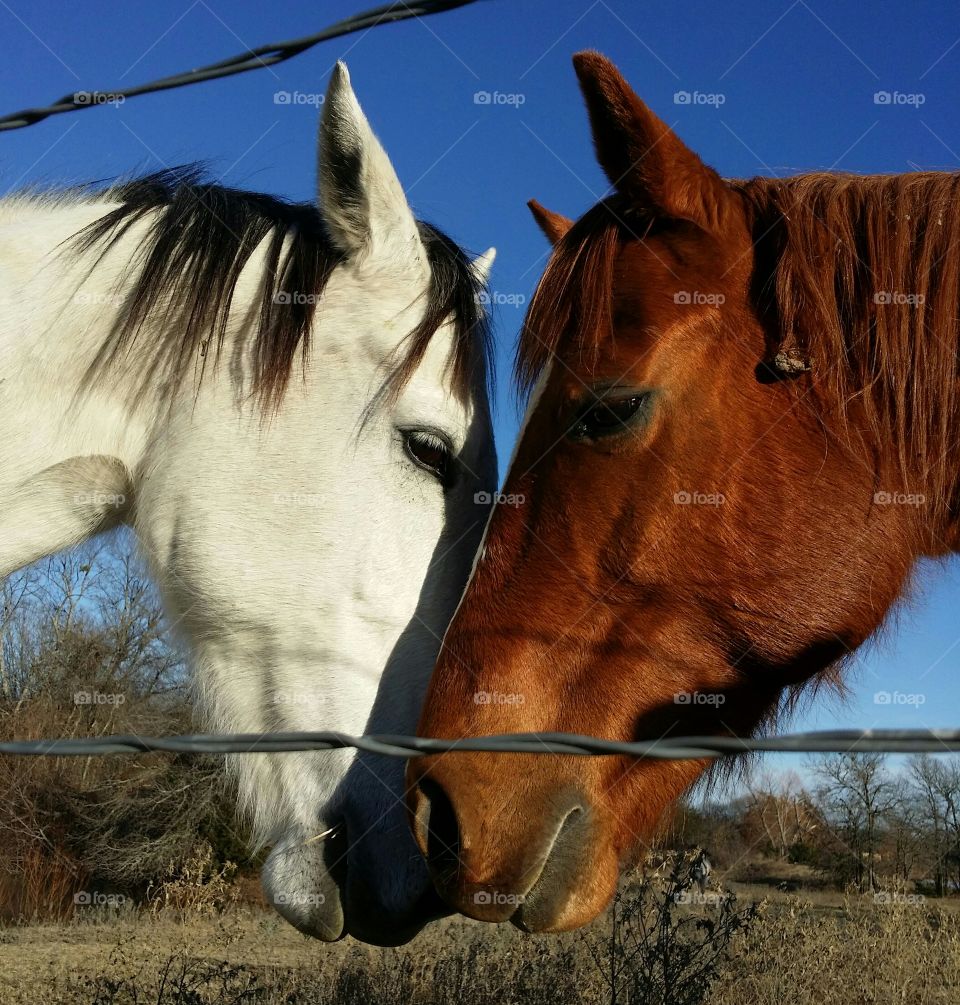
{"points": [[743, 433]]}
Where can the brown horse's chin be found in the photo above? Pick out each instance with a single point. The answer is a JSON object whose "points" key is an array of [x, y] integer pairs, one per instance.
{"points": [[563, 875], [566, 902]]}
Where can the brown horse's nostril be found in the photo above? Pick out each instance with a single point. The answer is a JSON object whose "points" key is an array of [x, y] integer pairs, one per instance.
{"points": [[436, 827]]}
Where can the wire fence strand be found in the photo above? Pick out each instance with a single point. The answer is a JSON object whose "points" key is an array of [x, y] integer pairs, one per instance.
{"points": [[253, 59], [889, 741]]}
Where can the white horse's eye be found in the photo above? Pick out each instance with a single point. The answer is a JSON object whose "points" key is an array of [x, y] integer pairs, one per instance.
{"points": [[430, 451]]}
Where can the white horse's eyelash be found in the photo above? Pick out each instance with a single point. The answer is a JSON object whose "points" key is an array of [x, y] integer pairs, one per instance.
{"points": [[430, 439]]}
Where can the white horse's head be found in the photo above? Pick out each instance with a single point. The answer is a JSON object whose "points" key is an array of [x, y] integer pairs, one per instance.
{"points": [[312, 505]]}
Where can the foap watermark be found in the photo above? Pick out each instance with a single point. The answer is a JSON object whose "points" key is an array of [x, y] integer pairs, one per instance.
{"points": [[714, 98], [496, 298], [887, 898], [699, 498], [899, 698], [899, 499], [98, 98], [698, 298], [505, 98], [307, 499], [898, 298], [695, 898], [496, 897], [912, 98], [498, 698], [699, 698], [299, 899], [93, 898], [500, 498], [99, 299], [294, 697], [296, 298], [98, 698], [298, 98], [97, 498]]}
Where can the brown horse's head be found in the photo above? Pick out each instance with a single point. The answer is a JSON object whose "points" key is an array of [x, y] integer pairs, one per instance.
{"points": [[741, 436]]}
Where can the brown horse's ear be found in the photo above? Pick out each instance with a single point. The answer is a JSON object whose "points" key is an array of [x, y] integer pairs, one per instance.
{"points": [[641, 155], [552, 224]]}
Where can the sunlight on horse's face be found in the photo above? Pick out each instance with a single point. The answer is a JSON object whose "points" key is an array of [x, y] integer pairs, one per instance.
{"points": [[312, 561], [684, 544], [299, 560]]}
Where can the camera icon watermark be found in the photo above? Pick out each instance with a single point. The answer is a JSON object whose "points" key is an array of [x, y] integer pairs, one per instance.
{"points": [[97, 498], [699, 698], [86, 98], [514, 100], [899, 698], [97, 698], [696, 898], [898, 298], [299, 899], [298, 98], [488, 897], [296, 298], [684, 498], [899, 499], [698, 297], [498, 299], [499, 498], [914, 99], [714, 98], [310, 500], [498, 698], [886, 898], [93, 898]]}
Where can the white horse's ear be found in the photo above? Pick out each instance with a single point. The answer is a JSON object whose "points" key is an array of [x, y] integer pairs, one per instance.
{"points": [[361, 200], [482, 265]]}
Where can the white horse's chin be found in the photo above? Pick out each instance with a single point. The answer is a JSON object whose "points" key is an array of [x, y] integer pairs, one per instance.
{"points": [[297, 883], [328, 891]]}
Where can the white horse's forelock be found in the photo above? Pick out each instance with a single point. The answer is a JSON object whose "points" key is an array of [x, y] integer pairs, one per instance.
{"points": [[308, 563]]}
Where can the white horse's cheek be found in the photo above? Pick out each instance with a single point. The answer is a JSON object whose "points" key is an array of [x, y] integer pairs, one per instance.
{"points": [[293, 557]]}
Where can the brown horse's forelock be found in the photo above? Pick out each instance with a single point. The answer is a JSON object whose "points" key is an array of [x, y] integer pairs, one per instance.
{"points": [[860, 273], [575, 292], [202, 236]]}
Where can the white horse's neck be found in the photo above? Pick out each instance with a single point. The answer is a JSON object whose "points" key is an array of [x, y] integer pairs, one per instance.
{"points": [[66, 452]]}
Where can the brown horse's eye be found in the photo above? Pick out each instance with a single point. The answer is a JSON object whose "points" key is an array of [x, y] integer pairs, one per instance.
{"points": [[607, 416], [431, 452]]}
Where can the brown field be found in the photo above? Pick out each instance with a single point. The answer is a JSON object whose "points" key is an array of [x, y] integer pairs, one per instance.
{"points": [[822, 948]]}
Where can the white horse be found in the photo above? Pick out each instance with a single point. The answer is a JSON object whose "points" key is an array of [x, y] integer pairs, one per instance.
{"points": [[288, 403]]}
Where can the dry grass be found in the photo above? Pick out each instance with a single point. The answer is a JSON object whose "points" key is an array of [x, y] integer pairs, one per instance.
{"points": [[826, 950]]}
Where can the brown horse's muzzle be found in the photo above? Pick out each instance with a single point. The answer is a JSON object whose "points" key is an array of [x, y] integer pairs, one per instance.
{"points": [[500, 850]]}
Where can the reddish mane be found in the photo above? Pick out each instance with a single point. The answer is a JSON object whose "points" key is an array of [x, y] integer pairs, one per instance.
{"points": [[829, 247], [746, 437]]}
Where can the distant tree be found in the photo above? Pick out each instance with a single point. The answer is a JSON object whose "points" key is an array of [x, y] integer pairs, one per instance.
{"points": [[857, 796], [935, 782], [781, 810]]}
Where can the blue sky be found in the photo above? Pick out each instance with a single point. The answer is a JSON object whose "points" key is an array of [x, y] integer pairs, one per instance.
{"points": [[776, 87]]}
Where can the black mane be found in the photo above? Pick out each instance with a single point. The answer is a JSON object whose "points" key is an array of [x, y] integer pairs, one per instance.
{"points": [[201, 237]]}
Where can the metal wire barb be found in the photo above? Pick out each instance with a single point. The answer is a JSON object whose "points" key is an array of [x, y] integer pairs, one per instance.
{"points": [[891, 741], [254, 59]]}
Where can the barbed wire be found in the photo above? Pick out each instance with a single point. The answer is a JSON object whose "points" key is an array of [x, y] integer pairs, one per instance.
{"points": [[253, 59], [888, 741]]}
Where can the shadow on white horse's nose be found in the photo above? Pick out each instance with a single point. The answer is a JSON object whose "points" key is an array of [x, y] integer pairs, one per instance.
{"points": [[303, 878], [328, 887]]}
